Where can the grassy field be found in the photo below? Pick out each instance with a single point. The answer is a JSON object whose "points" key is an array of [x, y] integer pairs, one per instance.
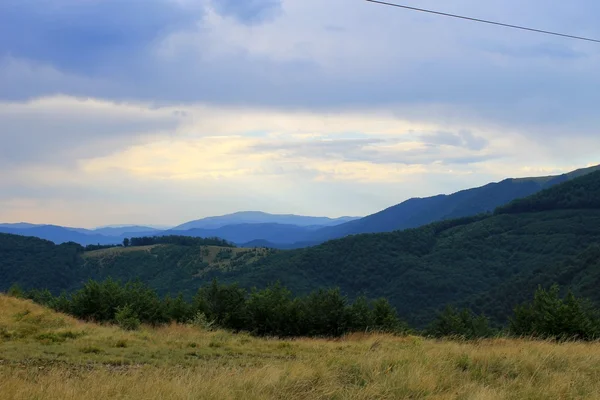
{"points": [[115, 251], [45, 355]]}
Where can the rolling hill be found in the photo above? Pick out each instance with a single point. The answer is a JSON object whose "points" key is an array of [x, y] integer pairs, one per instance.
{"points": [[488, 262], [551, 236], [61, 234], [35, 263], [169, 268], [238, 228]]}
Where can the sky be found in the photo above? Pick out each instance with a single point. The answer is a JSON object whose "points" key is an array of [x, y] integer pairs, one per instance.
{"points": [[164, 111]]}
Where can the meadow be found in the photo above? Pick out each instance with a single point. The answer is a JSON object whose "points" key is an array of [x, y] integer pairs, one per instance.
{"points": [[46, 355]]}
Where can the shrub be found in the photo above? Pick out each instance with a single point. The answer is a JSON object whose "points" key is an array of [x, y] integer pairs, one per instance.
{"points": [[385, 318], [325, 313], [464, 324], [201, 321], [16, 291], [127, 319], [273, 312], [550, 317], [224, 304]]}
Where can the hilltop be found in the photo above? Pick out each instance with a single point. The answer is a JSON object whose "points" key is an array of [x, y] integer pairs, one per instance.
{"points": [[168, 267]]}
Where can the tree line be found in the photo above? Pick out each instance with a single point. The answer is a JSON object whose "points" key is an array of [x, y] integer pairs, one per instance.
{"points": [[269, 312], [153, 240], [176, 240], [323, 313]]}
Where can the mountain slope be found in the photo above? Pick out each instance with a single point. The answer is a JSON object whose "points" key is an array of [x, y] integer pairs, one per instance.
{"points": [[59, 234], [422, 269], [257, 217], [242, 233], [35, 263], [169, 268], [124, 230], [488, 262], [421, 211], [18, 225]]}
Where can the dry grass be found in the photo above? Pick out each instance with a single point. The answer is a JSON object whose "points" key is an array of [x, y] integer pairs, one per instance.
{"points": [[44, 355]]}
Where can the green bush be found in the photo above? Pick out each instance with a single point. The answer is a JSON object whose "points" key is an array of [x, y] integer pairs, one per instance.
{"points": [[385, 318], [549, 316], [200, 321], [127, 319], [460, 323]]}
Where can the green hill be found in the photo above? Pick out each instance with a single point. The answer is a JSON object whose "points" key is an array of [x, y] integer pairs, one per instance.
{"points": [[458, 261], [417, 212], [488, 262], [36, 263], [169, 268]]}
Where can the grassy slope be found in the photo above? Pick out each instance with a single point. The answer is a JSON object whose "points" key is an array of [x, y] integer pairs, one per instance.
{"points": [[168, 268], [51, 356], [39, 264]]}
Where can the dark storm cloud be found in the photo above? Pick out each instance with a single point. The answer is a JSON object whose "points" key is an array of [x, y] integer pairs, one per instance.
{"points": [[88, 35], [316, 55]]}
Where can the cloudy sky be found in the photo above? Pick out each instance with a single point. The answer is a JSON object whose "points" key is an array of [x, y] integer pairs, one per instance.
{"points": [[162, 111]]}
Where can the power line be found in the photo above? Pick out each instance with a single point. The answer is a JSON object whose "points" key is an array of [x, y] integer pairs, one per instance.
{"points": [[483, 21]]}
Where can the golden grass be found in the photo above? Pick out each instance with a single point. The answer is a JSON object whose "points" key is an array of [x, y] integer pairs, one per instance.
{"points": [[44, 355]]}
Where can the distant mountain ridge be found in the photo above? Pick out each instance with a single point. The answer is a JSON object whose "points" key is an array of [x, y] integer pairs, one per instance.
{"points": [[417, 212], [277, 232], [259, 217], [122, 230], [487, 262], [290, 231]]}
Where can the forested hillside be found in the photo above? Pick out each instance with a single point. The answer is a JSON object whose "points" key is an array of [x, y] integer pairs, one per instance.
{"points": [[421, 211], [169, 268], [169, 264], [35, 263], [489, 262], [421, 270]]}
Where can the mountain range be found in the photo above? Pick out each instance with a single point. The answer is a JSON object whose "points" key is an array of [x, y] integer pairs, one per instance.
{"points": [[259, 229], [239, 227], [488, 262], [258, 217]]}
